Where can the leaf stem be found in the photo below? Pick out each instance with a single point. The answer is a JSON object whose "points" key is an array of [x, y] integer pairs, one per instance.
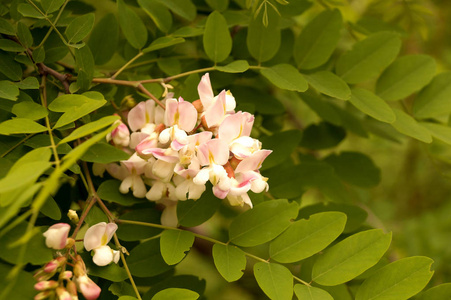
{"points": [[127, 64]]}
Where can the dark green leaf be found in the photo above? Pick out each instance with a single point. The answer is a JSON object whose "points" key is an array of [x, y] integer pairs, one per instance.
{"points": [[39, 55], [217, 40], [10, 46], [230, 261], [104, 153], [24, 34], [350, 257], [8, 90], [51, 209], [184, 8], [368, 58], [282, 144], [219, 5], [85, 64], [79, 28], [322, 136], [111, 272], [174, 244], [263, 41], [159, 14], [191, 213], [145, 260], [399, 280], [130, 232], [435, 99], [20, 125], [9, 67], [163, 42], [304, 292], [262, 101], [307, 237], [50, 6], [329, 84], [286, 77], [318, 39], [29, 11], [104, 39], [29, 110], [6, 27], [406, 75], [22, 288], [409, 126], [275, 280], [109, 191], [132, 26], [262, 223], [323, 108]]}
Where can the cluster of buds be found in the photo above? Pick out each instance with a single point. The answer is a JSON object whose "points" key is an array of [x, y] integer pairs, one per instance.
{"points": [[176, 150]]}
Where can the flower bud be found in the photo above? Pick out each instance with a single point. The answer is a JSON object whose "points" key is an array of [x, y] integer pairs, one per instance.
{"points": [[72, 288], [73, 216], [70, 243], [43, 295], [41, 275], [66, 275], [56, 236], [46, 285], [63, 294], [87, 287]]}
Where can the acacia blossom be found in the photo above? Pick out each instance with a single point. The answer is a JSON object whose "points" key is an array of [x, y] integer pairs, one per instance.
{"points": [[97, 238], [56, 236]]}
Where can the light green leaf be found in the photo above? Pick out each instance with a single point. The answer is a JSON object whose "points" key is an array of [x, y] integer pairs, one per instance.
{"points": [[29, 110], [74, 107], [405, 76], [50, 6], [132, 26], [174, 244], [263, 41], [442, 291], [230, 261], [104, 153], [307, 237], [10, 46], [368, 58], [104, 39], [286, 77], [9, 67], [329, 84], [163, 42], [29, 83], [217, 40], [318, 40], [90, 128], [159, 14], [304, 292], [24, 35], [191, 213], [238, 66], [131, 232], [188, 31], [23, 175], [350, 257], [22, 288], [439, 131], [435, 99], [409, 126], [126, 297], [8, 90], [6, 27], [145, 260], [35, 155], [109, 191], [20, 125], [372, 105], [176, 293], [275, 280], [399, 280], [79, 28], [262, 223], [183, 8]]}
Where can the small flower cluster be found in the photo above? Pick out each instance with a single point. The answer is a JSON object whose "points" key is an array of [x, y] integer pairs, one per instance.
{"points": [[69, 282], [179, 148]]}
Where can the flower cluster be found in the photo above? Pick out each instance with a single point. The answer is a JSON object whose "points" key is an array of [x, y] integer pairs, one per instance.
{"points": [[179, 148]]}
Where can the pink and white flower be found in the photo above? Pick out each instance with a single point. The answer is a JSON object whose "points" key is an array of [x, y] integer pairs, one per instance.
{"points": [[96, 238], [56, 236]]}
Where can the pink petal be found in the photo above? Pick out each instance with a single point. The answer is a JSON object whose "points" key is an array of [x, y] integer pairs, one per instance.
{"points": [[171, 114], [215, 151], [216, 112], [253, 162], [188, 116], [205, 91]]}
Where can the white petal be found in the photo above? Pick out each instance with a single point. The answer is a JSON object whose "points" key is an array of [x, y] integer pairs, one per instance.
{"points": [[102, 256], [93, 236]]}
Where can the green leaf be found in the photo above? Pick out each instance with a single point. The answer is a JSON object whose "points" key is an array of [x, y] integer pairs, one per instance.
{"points": [[322, 107], [183, 8], [174, 244], [24, 34], [104, 153], [439, 131], [318, 40], [29, 11], [372, 105], [130, 232], [399, 280], [95, 215], [282, 144], [111, 272], [127, 297], [145, 260], [179, 281], [132, 26], [39, 55], [329, 84], [192, 213], [350, 257], [307, 237], [442, 291], [238, 66], [79, 28], [322, 136], [409, 126], [286, 77], [304, 292], [20, 125], [22, 288], [29, 110], [159, 14], [51, 209], [6, 27], [217, 40], [230, 261], [356, 168], [9, 67], [188, 31], [10, 46], [50, 6], [163, 42], [260, 99], [176, 293], [263, 41], [368, 58], [8, 90], [275, 280], [219, 5], [74, 107], [262, 223], [29, 83], [109, 191], [90, 128], [405, 76], [85, 67], [435, 99], [104, 39]]}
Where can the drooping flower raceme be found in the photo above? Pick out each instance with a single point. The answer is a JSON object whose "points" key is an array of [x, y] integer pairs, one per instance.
{"points": [[179, 149], [96, 238]]}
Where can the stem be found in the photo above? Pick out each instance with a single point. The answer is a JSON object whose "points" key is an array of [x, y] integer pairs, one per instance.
{"points": [[167, 79], [56, 22], [16, 145], [127, 64], [301, 281]]}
